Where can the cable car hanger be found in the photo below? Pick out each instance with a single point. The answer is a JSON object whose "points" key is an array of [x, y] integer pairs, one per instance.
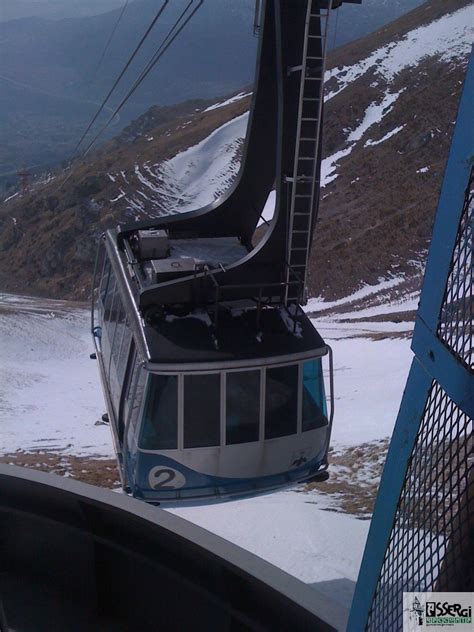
{"points": [[211, 371]]}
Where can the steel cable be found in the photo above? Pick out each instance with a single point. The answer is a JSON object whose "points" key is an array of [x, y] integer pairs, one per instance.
{"points": [[171, 36], [111, 37], [124, 70]]}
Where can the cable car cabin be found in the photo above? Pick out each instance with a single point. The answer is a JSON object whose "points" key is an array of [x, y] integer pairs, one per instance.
{"points": [[211, 370], [204, 403]]}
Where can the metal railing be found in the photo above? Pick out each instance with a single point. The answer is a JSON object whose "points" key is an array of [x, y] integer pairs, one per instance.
{"points": [[420, 539]]}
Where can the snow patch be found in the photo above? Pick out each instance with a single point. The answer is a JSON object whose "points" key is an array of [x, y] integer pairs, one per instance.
{"points": [[374, 114], [50, 395], [233, 99], [269, 209], [318, 304], [210, 161], [330, 164], [371, 143], [369, 378], [448, 38], [290, 531], [119, 197], [407, 304], [11, 197]]}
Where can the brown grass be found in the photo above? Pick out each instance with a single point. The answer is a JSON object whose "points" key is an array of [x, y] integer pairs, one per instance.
{"points": [[354, 475], [99, 472]]}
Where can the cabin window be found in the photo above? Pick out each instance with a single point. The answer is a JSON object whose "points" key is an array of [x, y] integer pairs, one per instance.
{"points": [[106, 334], [134, 398], [314, 399], [202, 410], [109, 295], [242, 406], [281, 401], [160, 417], [114, 332], [124, 351], [105, 279], [104, 282], [117, 328]]}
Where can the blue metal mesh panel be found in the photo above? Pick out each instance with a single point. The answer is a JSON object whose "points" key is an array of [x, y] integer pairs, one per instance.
{"points": [[456, 321], [429, 547], [421, 537]]}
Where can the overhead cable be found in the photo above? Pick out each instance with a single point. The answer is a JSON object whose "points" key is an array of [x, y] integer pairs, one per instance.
{"points": [[124, 70], [335, 29], [111, 37], [167, 42]]}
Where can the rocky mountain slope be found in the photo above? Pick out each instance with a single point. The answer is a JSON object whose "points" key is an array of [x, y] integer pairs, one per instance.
{"points": [[390, 107], [353, 21]]}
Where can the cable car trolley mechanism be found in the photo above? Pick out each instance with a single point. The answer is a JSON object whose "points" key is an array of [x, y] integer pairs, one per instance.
{"points": [[212, 372]]}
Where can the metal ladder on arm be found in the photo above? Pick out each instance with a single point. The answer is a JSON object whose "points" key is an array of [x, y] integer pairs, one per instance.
{"points": [[305, 181]]}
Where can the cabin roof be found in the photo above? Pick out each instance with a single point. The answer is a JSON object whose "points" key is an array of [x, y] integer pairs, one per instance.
{"points": [[194, 339], [239, 336]]}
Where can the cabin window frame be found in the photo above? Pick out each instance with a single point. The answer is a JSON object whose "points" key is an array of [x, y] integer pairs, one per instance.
{"points": [[223, 404]]}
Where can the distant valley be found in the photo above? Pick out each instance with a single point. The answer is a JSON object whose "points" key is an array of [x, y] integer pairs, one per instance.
{"points": [[54, 9], [50, 83]]}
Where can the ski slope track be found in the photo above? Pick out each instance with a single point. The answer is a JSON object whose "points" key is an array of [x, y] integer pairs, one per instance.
{"points": [[176, 185]]}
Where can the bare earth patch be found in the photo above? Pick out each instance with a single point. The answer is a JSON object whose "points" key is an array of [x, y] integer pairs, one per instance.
{"points": [[99, 472], [354, 477]]}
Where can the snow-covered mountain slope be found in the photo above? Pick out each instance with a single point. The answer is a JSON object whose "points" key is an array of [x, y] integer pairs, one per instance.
{"points": [[391, 102], [447, 38]]}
